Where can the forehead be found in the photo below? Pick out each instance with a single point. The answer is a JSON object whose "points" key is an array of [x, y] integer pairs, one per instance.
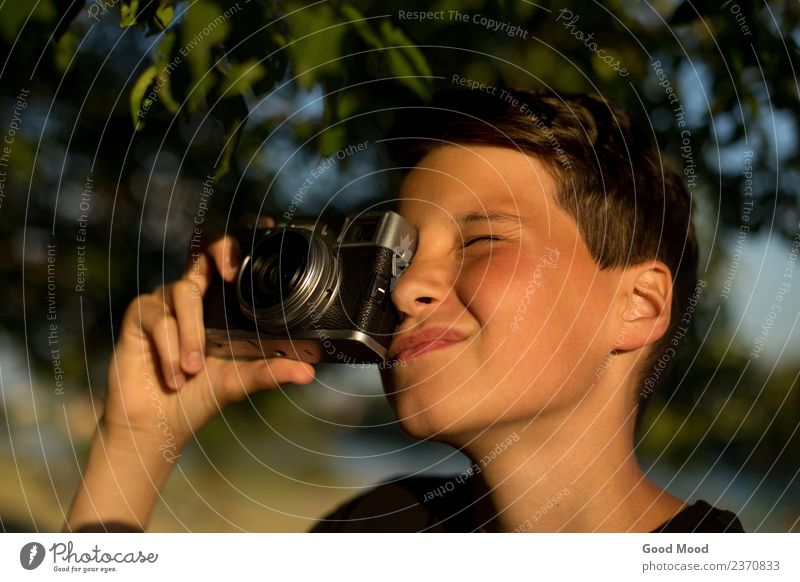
{"points": [[455, 180]]}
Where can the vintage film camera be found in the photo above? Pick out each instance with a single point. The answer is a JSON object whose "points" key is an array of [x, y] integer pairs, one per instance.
{"points": [[306, 293]]}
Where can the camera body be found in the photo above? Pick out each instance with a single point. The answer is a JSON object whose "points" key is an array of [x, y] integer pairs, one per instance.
{"points": [[307, 293]]}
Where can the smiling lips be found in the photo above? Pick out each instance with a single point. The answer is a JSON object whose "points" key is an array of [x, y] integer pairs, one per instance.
{"points": [[423, 342]]}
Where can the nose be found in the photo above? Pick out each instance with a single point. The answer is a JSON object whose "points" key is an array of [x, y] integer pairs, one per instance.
{"points": [[421, 288]]}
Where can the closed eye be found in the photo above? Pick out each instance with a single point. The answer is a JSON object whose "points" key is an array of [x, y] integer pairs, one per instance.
{"points": [[476, 239]]}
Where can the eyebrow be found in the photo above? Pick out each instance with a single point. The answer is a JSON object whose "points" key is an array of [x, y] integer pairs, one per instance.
{"points": [[466, 218]]}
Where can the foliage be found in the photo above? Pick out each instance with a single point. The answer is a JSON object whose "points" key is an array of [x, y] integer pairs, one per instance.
{"points": [[143, 99]]}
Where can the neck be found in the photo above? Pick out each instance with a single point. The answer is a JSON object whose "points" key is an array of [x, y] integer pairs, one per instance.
{"points": [[567, 472]]}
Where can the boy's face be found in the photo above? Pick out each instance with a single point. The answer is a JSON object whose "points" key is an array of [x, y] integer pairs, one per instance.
{"points": [[531, 305]]}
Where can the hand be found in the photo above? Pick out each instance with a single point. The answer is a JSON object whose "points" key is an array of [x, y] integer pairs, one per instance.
{"points": [[160, 393], [162, 389]]}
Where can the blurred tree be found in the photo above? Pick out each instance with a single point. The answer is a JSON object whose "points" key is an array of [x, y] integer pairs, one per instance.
{"points": [[121, 109]]}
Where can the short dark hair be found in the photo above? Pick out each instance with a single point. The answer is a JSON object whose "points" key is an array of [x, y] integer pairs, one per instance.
{"points": [[610, 175]]}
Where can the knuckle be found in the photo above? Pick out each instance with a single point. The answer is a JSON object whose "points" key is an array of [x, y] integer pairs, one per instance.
{"points": [[232, 389], [134, 309], [137, 311], [159, 292], [184, 290], [169, 356], [236, 394], [164, 321]]}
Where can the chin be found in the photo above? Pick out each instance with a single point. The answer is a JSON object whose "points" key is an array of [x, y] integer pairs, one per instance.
{"points": [[423, 427], [418, 429], [445, 403], [438, 418]]}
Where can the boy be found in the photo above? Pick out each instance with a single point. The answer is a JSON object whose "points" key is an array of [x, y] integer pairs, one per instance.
{"points": [[555, 255]]}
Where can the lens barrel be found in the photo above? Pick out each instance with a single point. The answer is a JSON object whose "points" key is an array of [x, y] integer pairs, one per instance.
{"points": [[288, 281]]}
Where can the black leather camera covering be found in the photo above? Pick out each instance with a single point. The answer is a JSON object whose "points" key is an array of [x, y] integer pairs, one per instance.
{"points": [[362, 304], [363, 269]]}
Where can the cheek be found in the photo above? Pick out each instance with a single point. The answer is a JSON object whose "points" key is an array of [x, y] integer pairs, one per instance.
{"points": [[533, 310], [489, 283], [530, 311], [506, 289]]}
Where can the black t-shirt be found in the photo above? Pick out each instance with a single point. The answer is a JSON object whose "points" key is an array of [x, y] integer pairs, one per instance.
{"points": [[435, 504]]}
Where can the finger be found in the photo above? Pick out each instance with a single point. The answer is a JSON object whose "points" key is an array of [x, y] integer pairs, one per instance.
{"points": [[269, 374], [199, 275], [186, 302], [201, 239], [248, 220], [226, 256], [162, 329]]}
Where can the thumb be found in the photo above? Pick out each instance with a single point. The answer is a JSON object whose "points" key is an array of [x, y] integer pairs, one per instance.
{"points": [[248, 377]]}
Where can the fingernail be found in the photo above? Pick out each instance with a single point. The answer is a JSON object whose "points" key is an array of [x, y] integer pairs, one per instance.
{"points": [[310, 370], [194, 360], [179, 380], [232, 268]]}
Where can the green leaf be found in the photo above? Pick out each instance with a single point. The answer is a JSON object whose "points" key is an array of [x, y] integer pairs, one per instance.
{"points": [[68, 13], [233, 114], [356, 19], [347, 105], [331, 140], [204, 27], [129, 9], [172, 71], [165, 13], [140, 96], [15, 14], [154, 14], [239, 78], [318, 44], [407, 61], [333, 136], [258, 35], [275, 70], [66, 47]]}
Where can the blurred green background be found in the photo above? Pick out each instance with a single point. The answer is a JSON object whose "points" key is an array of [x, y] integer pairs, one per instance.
{"points": [[114, 112]]}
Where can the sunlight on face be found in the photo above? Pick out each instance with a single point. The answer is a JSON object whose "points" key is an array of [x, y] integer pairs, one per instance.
{"points": [[502, 274]]}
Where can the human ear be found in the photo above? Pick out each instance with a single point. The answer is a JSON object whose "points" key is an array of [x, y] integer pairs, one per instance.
{"points": [[645, 305]]}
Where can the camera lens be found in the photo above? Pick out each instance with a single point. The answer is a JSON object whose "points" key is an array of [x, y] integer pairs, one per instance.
{"points": [[277, 267], [289, 277]]}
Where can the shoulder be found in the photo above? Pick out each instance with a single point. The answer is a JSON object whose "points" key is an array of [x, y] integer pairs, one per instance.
{"points": [[403, 504], [701, 517]]}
